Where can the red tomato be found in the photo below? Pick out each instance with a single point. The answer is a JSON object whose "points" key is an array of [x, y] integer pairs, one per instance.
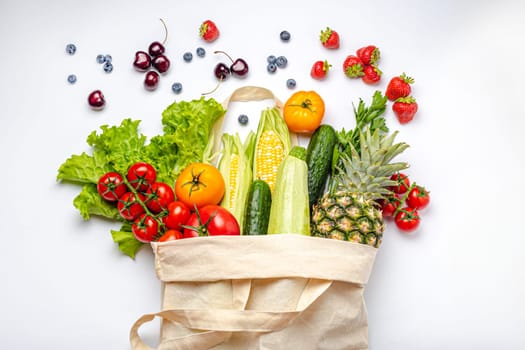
{"points": [[418, 197], [145, 228], [158, 196], [403, 183], [178, 214], [141, 176], [170, 235], [390, 205], [211, 220], [129, 207], [111, 186], [407, 219]]}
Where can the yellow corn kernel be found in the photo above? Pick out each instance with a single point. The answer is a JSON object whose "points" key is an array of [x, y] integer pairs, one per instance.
{"points": [[234, 170], [269, 155]]}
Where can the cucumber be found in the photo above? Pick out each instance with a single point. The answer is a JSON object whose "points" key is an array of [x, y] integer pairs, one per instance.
{"points": [[257, 213], [319, 160]]}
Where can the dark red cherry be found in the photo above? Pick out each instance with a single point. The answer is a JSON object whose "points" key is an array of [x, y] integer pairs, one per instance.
{"points": [[142, 61], [151, 80], [156, 48], [239, 67], [161, 63], [221, 71], [96, 100]]}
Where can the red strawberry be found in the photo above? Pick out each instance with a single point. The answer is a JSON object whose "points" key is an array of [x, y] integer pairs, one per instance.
{"points": [[330, 38], [353, 67], [372, 74], [405, 108], [208, 31], [369, 54], [320, 69], [399, 87]]}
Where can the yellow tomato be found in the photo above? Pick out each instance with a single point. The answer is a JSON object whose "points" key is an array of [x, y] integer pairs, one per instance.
{"points": [[199, 184], [303, 112]]}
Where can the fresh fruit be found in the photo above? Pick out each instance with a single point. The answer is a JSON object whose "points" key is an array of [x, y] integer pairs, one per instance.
{"points": [[285, 36], [371, 74], [258, 206], [304, 111], [329, 38], [142, 61], [161, 63], [71, 49], [407, 219], [199, 184], [145, 228], [418, 197], [221, 71], [271, 59], [176, 88], [151, 80], [72, 78], [405, 108], [187, 57], [320, 70], [281, 61], [208, 31], [129, 205], [96, 100], [399, 87], [158, 196], [271, 67], [369, 55], [155, 58], [389, 205], [108, 67], [353, 67], [201, 52], [239, 67], [178, 215], [141, 176], [348, 210], [291, 83], [156, 48], [111, 186], [101, 58], [243, 119], [170, 235], [402, 183], [211, 220]]}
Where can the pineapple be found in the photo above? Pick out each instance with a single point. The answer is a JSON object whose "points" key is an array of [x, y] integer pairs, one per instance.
{"points": [[349, 209]]}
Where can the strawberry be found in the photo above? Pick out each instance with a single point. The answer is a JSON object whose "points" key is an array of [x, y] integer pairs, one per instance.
{"points": [[329, 38], [208, 31], [371, 74], [320, 69], [369, 54], [405, 108], [353, 67], [399, 87]]}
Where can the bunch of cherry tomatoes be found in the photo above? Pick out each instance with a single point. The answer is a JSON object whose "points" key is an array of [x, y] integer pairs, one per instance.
{"points": [[160, 212], [405, 202]]}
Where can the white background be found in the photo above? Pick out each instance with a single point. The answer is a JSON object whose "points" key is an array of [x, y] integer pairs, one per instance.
{"points": [[458, 283]]}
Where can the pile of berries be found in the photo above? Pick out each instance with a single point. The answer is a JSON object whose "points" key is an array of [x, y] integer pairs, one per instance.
{"points": [[399, 90], [154, 58], [364, 65]]}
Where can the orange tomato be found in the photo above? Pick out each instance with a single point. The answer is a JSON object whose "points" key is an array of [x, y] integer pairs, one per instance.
{"points": [[303, 112], [199, 184]]}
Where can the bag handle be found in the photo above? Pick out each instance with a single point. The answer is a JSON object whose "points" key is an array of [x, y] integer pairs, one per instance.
{"points": [[218, 324]]}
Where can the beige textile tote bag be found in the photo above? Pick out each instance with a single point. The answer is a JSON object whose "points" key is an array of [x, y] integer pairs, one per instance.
{"points": [[260, 292]]}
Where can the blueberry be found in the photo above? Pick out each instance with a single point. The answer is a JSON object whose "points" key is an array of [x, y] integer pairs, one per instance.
{"points": [[281, 62], [108, 58], [243, 119], [177, 88], [188, 56], [71, 49], [271, 67], [290, 83], [285, 35], [271, 59], [72, 78], [201, 52], [101, 59], [108, 67]]}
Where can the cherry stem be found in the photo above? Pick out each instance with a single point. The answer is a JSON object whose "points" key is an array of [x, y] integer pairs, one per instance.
{"points": [[224, 53], [214, 89], [165, 31]]}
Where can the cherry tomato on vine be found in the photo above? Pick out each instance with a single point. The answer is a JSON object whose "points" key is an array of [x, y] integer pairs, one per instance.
{"points": [[211, 220], [418, 197], [145, 228], [129, 207], [178, 215], [141, 176], [158, 196], [407, 219], [402, 183], [170, 235], [111, 186], [389, 205], [199, 184]]}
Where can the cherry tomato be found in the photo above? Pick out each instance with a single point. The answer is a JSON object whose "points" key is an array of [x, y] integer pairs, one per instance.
{"points": [[170, 235], [178, 214], [390, 205], [158, 196], [129, 207], [407, 219], [199, 184], [111, 186], [418, 197], [141, 176], [145, 228], [403, 183], [211, 220]]}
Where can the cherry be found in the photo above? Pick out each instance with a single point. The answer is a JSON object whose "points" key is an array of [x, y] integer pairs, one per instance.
{"points": [[161, 63], [96, 100], [221, 71], [156, 48], [239, 67], [151, 81], [142, 61]]}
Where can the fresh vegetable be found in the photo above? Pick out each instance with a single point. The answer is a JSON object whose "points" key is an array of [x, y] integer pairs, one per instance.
{"points": [[258, 205], [145, 228], [211, 220], [418, 197], [178, 214], [272, 144], [111, 186], [319, 160], [208, 31], [200, 184], [141, 175], [399, 87], [329, 38], [369, 54], [170, 235], [129, 205], [389, 205], [407, 219], [303, 112], [371, 74], [320, 69], [353, 66], [405, 108], [402, 183], [290, 211], [158, 196]]}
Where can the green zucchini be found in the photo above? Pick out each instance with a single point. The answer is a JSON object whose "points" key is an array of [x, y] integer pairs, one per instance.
{"points": [[319, 161], [257, 213]]}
